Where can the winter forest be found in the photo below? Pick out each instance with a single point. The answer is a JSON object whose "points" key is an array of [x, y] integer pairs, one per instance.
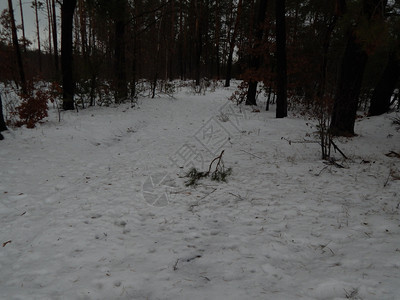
{"points": [[199, 149]]}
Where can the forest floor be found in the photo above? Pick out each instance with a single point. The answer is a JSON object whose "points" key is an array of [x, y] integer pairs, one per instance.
{"points": [[96, 206]]}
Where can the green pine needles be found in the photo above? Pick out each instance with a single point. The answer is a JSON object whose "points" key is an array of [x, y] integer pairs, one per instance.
{"points": [[219, 174]]}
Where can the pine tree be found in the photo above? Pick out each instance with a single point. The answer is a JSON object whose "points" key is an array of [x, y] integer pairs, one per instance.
{"points": [[67, 14]]}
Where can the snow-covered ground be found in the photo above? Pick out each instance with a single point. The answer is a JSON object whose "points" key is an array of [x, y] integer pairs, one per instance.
{"points": [[96, 207]]}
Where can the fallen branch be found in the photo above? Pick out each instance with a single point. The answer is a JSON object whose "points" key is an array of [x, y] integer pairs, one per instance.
{"points": [[332, 161], [219, 174], [320, 172], [251, 154], [5, 243], [393, 154], [387, 179], [176, 265], [300, 142], [193, 258], [337, 148], [219, 161]]}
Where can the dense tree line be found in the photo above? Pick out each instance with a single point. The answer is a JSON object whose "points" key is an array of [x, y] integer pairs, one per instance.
{"points": [[337, 54]]}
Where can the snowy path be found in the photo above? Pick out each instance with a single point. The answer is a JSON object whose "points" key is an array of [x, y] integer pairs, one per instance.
{"points": [[74, 202]]}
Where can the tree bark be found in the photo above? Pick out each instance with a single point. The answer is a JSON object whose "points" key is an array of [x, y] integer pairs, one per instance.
{"points": [[49, 24], [16, 48], [67, 13], [351, 74], [348, 89], [3, 126], [380, 101], [255, 59], [120, 18], [55, 41], [120, 62], [197, 41], [281, 100], [232, 44], [36, 5], [22, 25]]}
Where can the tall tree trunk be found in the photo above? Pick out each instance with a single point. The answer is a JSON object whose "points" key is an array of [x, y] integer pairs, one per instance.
{"points": [[217, 39], [348, 89], [121, 84], [3, 126], [182, 35], [156, 60], [67, 14], [281, 100], [16, 48], [49, 22], [351, 74], [255, 59], [197, 41], [380, 101], [325, 49], [55, 40], [22, 25], [36, 6], [232, 44], [82, 30]]}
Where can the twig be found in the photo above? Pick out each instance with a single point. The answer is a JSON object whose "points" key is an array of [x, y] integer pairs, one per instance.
{"points": [[198, 202], [251, 154], [387, 179], [176, 265], [193, 258], [337, 148], [5, 243], [332, 161], [320, 172], [219, 161], [393, 154], [237, 196], [299, 142], [208, 194]]}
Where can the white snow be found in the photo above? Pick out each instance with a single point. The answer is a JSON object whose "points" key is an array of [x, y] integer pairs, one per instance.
{"points": [[95, 207]]}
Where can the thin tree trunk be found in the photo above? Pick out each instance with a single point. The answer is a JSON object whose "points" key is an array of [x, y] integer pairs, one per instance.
{"points": [[232, 44], [23, 25], [120, 62], [325, 48], [197, 41], [255, 59], [121, 84], [16, 48], [67, 14], [217, 39], [55, 40], [49, 22], [3, 126], [181, 42], [269, 96], [36, 5], [281, 100], [82, 29]]}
